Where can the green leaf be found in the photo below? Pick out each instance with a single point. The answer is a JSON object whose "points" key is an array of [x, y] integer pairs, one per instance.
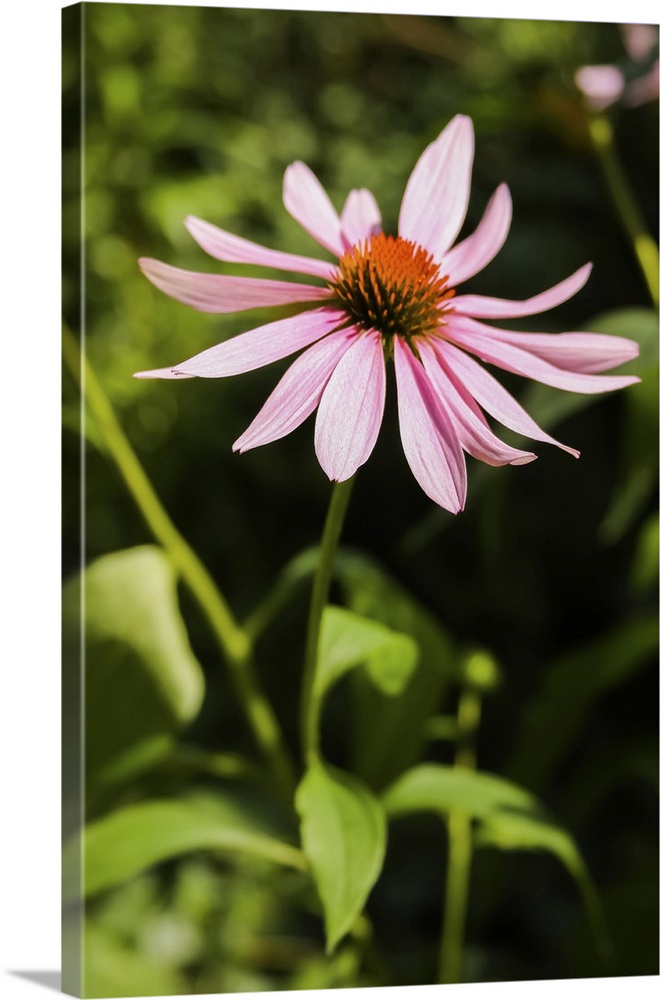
{"points": [[129, 840], [507, 817], [142, 681], [509, 831], [343, 834], [391, 733], [440, 788], [348, 640]]}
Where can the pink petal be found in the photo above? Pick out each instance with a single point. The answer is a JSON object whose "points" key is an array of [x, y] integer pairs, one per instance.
{"points": [[429, 440], [473, 433], [223, 293], [257, 348], [226, 246], [436, 197], [484, 307], [494, 398], [161, 373], [483, 342], [307, 201], [360, 217], [351, 409], [298, 392], [575, 352], [474, 253]]}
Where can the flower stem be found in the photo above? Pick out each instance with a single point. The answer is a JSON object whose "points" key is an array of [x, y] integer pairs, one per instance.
{"points": [[320, 588], [644, 246], [459, 861], [234, 643]]}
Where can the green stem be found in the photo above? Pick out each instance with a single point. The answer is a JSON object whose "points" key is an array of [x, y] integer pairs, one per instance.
{"points": [[460, 849], [320, 588], [233, 642], [644, 246], [456, 897]]}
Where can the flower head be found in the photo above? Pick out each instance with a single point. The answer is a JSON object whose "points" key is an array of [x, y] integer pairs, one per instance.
{"points": [[392, 298]]}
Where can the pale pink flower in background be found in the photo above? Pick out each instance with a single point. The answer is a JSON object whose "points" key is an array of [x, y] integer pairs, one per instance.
{"points": [[602, 86], [392, 298]]}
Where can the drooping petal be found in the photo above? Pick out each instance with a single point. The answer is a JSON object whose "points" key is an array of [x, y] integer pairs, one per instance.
{"points": [[575, 352], [474, 253], [298, 392], [485, 307], [223, 293], [483, 342], [360, 217], [473, 433], [307, 201], [351, 409], [228, 247], [429, 440], [257, 347], [436, 197], [494, 398]]}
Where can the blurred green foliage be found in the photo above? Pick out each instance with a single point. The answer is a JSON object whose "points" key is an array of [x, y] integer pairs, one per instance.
{"points": [[552, 567]]}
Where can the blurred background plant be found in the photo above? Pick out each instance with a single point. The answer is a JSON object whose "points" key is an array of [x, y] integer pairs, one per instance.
{"points": [[552, 568]]}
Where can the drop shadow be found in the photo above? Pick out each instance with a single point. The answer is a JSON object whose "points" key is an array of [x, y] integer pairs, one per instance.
{"points": [[49, 979]]}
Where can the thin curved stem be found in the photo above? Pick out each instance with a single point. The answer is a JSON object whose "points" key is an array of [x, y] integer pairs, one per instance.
{"points": [[234, 643], [644, 246], [459, 861], [324, 569]]}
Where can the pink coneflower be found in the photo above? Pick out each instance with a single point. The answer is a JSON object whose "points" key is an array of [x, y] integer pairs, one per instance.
{"points": [[392, 297]]}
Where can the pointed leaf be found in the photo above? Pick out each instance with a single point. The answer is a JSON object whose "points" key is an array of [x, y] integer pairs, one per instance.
{"points": [[507, 817], [343, 834], [509, 831]]}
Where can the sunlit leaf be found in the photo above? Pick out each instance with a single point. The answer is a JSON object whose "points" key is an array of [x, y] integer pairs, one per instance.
{"points": [[348, 640], [343, 834], [440, 788], [391, 733], [132, 839], [142, 683]]}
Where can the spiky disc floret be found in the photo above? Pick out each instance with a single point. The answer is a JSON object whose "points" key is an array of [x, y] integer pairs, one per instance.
{"points": [[392, 285]]}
